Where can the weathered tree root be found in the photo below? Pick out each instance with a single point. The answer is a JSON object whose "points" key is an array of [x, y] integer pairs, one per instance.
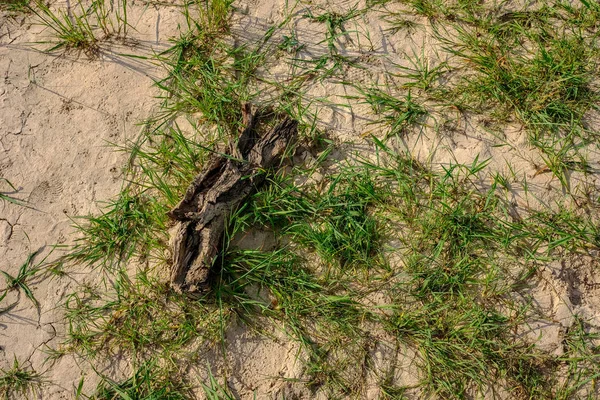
{"points": [[218, 190]]}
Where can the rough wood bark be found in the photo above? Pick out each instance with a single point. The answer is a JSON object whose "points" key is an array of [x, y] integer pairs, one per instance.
{"points": [[217, 191]]}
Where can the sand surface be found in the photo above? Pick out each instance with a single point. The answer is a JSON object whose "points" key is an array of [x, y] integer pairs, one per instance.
{"points": [[61, 113]]}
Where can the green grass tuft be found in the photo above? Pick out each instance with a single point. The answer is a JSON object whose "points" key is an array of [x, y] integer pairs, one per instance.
{"points": [[19, 382]]}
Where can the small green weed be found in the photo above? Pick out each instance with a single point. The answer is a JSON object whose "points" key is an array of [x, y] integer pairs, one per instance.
{"points": [[336, 222], [420, 74], [335, 25], [147, 383], [15, 6], [19, 282], [213, 390], [82, 27], [209, 78], [582, 357], [399, 114], [19, 382], [139, 317], [124, 229], [72, 31]]}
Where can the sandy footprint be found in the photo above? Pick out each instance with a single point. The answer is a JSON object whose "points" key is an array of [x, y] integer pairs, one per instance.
{"points": [[45, 192]]}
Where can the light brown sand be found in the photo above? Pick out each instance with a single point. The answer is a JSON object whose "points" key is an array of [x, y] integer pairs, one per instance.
{"points": [[58, 114]]}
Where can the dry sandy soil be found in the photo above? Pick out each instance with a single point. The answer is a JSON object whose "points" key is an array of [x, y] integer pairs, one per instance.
{"points": [[60, 113]]}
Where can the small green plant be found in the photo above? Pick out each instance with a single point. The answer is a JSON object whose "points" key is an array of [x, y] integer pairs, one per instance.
{"points": [[582, 357], [147, 383], [71, 30], [207, 76], [19, 282], [427, 8], [211, 16], [110, 26], [420, 74], [399, 114], [336, 222], [123, 230], [81, 27], [19, 382], [15, 6], [398, 23], [213, 390], [335, 26], [290, 44]]}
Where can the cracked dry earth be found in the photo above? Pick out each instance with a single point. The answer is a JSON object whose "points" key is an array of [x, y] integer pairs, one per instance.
{"points": [[59, 115]]}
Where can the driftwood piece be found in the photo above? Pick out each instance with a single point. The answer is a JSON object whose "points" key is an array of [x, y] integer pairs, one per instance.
{"points": [[217, 191]]}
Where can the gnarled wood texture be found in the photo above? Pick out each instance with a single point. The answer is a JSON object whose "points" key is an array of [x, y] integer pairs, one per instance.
{"points": [[218, 190]]}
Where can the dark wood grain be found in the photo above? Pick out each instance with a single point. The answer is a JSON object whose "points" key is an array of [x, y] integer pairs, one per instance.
{"points": [[223, 185]]}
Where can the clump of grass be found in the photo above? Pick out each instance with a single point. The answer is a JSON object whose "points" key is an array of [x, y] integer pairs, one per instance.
{"points": [[467, 348], [335, 25], [427, 8], [211, 17], [335, 222], [318, 311], [208, 77], [547, 90], [19, 282], [581, 357], [348, 233], [564, 229], [420, 74], [138, 317], [213, 390], [398, 113], [398, 23], [148, 382], [72, 31], [531, 67], [129, 226], [111, 26], [15, 6], [19, 382], [534, 65], [80, 27]]}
